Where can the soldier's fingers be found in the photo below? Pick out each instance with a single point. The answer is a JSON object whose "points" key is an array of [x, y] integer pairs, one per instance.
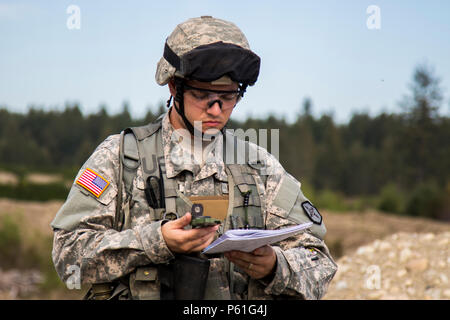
{"points": [[194, 234], [238, 259], [263, 251], [252, 269], [199, 241], [179, 223], [247, 257], [206, 241]]}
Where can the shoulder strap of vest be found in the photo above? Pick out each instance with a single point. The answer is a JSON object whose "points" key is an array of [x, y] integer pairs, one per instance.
{"points": [[129, 162], [151, 147], [146, 131]]}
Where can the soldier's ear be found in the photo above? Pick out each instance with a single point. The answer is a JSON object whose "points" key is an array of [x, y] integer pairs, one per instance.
{"points": [[172, 88]]}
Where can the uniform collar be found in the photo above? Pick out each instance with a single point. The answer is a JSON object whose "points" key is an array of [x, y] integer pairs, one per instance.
{"points": [[200, 159]]}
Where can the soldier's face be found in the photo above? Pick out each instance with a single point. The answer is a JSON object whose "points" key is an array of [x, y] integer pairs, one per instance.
{"points": [[213, 109]]}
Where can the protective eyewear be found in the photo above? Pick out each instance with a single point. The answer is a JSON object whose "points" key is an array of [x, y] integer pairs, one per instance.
{"points": [[227, 98]]}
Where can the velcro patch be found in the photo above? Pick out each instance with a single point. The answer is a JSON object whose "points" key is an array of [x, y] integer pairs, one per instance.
{"points": [[93, 182], [312, 213]]}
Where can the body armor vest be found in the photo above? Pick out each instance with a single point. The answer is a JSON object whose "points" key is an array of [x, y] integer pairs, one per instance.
{"points": [[142, 146]]}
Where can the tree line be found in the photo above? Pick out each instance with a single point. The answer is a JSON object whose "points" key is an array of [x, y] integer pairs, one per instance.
{"points": [[402, 157]]}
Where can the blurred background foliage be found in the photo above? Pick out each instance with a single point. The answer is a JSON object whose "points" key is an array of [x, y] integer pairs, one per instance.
{"points": [[395, 162]]}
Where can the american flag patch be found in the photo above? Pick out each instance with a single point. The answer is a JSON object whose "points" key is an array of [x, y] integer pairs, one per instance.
{"points": [[93, 182]]}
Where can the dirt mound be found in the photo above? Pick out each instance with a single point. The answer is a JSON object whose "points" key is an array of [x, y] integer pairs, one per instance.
{"points": [[401, 266], [347, 231]]}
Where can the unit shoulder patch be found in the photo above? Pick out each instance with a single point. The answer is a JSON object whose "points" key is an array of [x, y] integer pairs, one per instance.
{"points": [[93, 182], [312, 212]]}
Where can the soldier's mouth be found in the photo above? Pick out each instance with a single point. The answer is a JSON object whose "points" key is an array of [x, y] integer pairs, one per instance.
{"points": [[211, 123]]}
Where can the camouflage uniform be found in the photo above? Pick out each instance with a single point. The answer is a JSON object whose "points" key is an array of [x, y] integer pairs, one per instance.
{"points": [[84, 227], [84, 234]]}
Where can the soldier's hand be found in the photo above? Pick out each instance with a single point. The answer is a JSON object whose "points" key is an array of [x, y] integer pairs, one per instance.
{"points": [[180, 240], [257, 264]]}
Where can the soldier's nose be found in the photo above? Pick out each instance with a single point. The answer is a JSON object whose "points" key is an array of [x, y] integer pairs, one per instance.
{"points": [[211, 103], [215, 107]]}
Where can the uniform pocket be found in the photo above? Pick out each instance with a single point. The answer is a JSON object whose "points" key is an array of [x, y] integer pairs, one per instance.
{"points": [[252, 207], [144, 284], [154, 214]]}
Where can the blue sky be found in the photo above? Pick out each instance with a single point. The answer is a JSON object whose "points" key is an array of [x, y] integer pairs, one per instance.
{"points": [[320, 49]]}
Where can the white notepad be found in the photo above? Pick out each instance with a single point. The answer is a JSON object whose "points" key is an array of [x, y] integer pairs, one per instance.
{"points": [[248, 240]]}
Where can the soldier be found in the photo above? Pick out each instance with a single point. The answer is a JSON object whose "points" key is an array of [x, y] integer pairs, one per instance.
{"points": [[125, 223]]}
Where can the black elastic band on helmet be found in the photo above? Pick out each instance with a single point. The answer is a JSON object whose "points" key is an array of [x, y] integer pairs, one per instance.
{"points": [[210, 62], [171, 57]]}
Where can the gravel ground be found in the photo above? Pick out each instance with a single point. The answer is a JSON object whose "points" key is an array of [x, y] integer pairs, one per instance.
{"points": [[401, 266]]}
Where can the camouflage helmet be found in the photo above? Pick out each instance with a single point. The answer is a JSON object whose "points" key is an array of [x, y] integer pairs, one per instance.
{"points": [[194, 33]]}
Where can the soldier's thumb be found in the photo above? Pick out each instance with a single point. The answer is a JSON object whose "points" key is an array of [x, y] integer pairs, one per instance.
{"points": [[183, 221]]}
